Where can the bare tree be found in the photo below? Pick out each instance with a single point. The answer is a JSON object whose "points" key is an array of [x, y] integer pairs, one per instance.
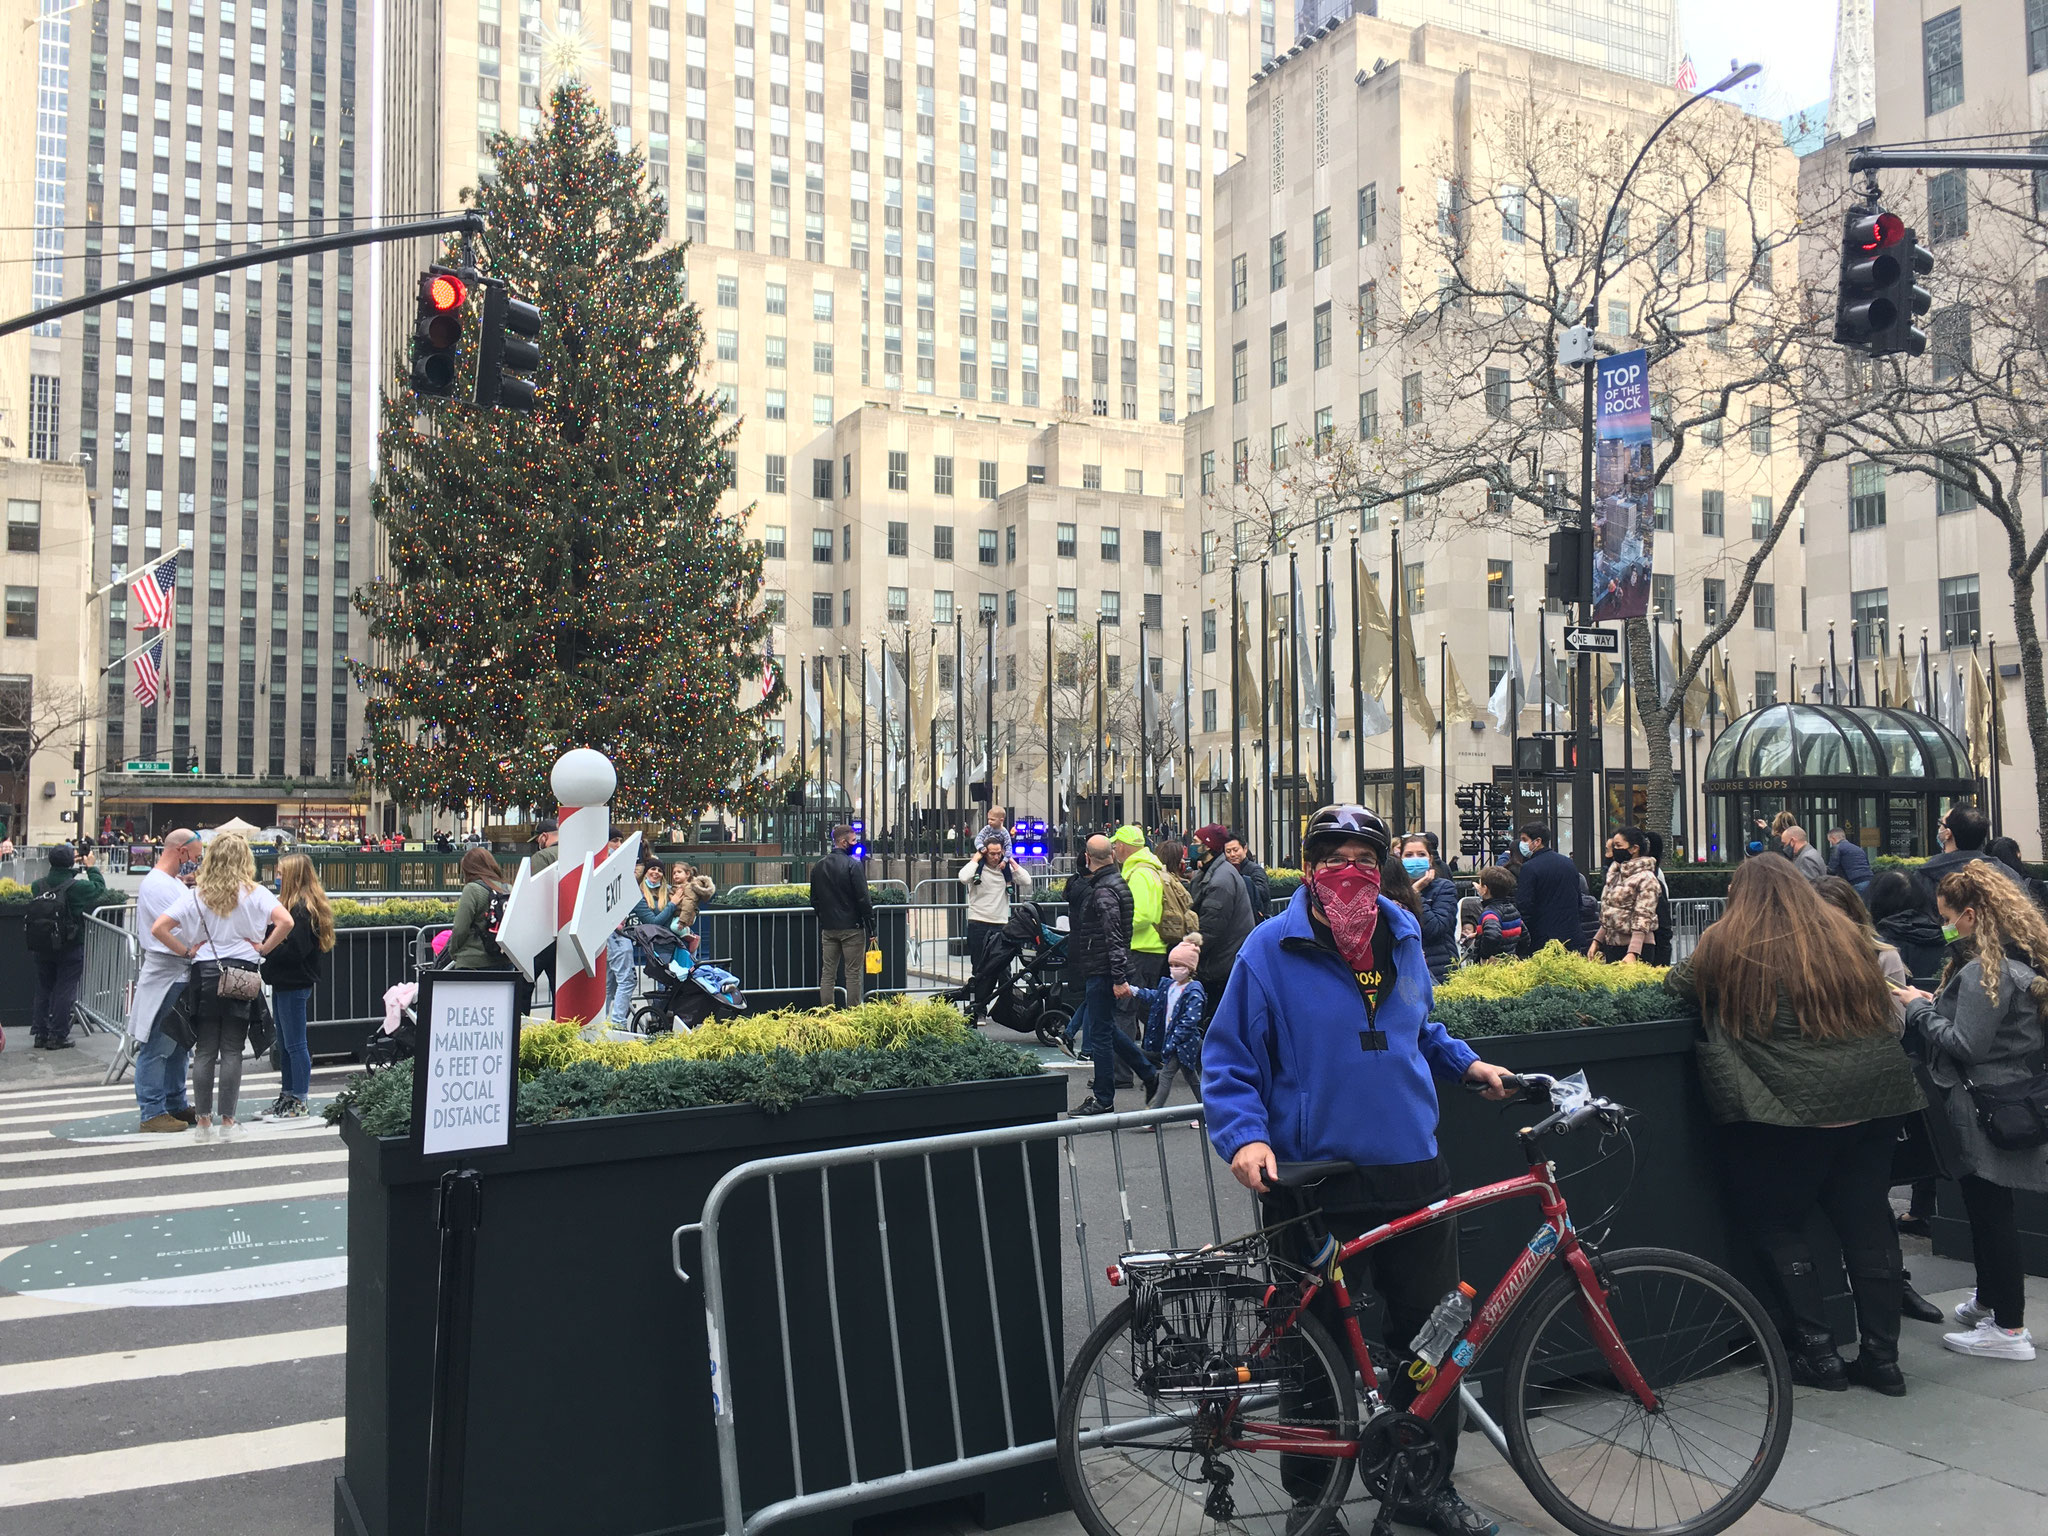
{"points": [[35, 715]]}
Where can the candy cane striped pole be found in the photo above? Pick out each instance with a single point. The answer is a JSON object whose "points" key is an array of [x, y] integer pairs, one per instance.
{"points": [[583, 782]]}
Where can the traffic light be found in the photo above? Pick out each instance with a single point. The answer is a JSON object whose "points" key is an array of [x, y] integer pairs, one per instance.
{"points": [[1563, 581], [437, 330], [508, 348], [1879, 296]]}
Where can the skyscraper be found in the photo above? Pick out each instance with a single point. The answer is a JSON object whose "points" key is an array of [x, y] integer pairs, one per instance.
{"points": [[229, 416]]}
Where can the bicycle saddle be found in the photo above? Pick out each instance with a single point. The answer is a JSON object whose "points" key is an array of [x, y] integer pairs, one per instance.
{"points": [[1303, 1175]]}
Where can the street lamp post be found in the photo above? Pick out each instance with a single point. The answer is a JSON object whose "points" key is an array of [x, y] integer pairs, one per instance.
{"points": [[1581, 351]]}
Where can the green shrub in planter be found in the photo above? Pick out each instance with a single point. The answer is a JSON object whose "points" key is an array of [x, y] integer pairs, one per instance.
{"points": [[1544, 1009], [786, 896], [1282, 883], [773, 1061], [399, 912], [14, 894]]}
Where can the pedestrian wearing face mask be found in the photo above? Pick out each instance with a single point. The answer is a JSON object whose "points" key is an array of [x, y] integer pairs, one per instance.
{"points": [[1323, 1048], [1178, 1005], [1628, 901], [1546, 891], [1439, 898]]}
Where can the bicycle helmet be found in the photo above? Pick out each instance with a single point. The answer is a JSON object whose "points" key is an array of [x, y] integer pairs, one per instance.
{"points": [[1335, 824]]}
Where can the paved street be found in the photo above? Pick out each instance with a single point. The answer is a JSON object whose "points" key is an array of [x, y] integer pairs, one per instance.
{"points": [[172, 1324]]}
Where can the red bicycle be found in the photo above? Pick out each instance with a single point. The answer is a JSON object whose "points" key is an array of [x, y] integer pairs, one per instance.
{"points": [[1647, 1391]]}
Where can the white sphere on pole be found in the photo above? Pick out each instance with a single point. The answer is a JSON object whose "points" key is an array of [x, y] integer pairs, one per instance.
{"points": [[583, 777]]}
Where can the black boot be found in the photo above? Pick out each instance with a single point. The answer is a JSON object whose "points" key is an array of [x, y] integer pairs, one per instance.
{"points": [[1877, 1281], [1815, 1363], [1912, 1304]]}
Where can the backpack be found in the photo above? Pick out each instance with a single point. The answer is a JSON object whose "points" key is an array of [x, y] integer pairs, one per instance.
{"points": [[487, 927], [48, 926], [1176, 911]]}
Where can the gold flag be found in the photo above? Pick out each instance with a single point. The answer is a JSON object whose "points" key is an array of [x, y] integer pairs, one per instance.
{"points": [[1458, 704], [1986, 708], [1412, 694], [1696, 690], [1376, 637], [827, 671], [1997, 691], [1247, 673]]}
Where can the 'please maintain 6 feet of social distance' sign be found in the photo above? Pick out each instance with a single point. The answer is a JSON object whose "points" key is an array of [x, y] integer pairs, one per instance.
{"points": [[466, 1076]]}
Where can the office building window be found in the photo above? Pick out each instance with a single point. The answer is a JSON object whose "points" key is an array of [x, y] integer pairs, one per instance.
{"points": [[1948, 206], [821, 610], [942, 541], [774, 542], [775, 479], [1497, 393], [1154, 612], [1091, 477], [942, 607], [1276, 347], [1763, 605], [1111, 608], [1010, 544], [774, 604], [1952, 478], [1500, 583], [1663, 597], [942, 476], [1869, 620], [899, 605], [1064, 603], [1368, 415], [1208, 709], [1411, 400], [1154, 547], [1760, 517], [1064, 540], [1368, 213], [899, 471], [1276, 263], [821, 546], [24, 526], [1712, 522], [1866, 496], [1322, 336], [1959, 612], [2037, 36], [1660, 507], [821, 479], [988, 480], [985, 607], [1239, 282], [1010, 607], [986, 546], [899, 539], [1948, 342], [1209, 632], [1112, 543], [1240, 373], [1941, 44], [1320, 242], [1276, 447], [1412, 589]]}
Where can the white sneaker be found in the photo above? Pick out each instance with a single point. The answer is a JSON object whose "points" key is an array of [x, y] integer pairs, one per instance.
{"points": [[1968, 1313], [1991, 1342], [232, 1130], [203, 1133]]}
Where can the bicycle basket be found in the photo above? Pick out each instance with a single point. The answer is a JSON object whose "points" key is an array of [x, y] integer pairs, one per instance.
{"points": [[1202, 1321]]}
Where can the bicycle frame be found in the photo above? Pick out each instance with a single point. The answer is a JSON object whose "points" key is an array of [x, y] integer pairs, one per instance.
{"points": [[1556, 1238]]}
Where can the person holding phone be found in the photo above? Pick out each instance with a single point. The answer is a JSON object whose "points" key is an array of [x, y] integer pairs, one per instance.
{"points": [[993, 880]]}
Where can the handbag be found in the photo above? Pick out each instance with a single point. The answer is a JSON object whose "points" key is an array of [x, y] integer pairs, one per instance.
{"points": [[873, 960], [262, 1027], [2013, 1116], [238, 981]]}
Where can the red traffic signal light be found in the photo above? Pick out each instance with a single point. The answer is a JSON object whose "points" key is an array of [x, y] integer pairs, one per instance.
{"points": [[446, 291], [438, 321], [1877, 232]]}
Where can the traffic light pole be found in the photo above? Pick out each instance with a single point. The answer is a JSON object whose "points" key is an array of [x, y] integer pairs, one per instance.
{"points": [[471, 223], [1948, 160]]}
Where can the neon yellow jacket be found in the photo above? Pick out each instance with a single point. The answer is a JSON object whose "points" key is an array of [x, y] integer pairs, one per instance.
{"points": [[1143, 873]]}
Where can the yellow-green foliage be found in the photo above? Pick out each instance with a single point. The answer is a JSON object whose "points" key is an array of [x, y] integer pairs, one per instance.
{"points": [[1551, 966], [13, 890], [877, 1025], [398, 912]]}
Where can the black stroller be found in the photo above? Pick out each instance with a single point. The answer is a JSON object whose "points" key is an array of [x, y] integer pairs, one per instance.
{"points": [[687, 991], [1017, 982]]}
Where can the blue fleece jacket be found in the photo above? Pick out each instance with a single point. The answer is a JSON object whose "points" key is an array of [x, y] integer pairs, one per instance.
{"points": [[1284, 1061]]}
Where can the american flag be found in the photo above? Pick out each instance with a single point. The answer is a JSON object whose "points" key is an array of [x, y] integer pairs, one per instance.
{"points": [[768, 669], [1687, 80], [148, 676], [154, 592]]}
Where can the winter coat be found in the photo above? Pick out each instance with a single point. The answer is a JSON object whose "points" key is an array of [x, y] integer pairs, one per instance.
{"points": [[1547, 891], [1439, 901], [1283, 1063], [470, 946], [1852, 862], [1146, 877], [1223, 912], [839, 893], [1784, 1078], [1810, 864], [1969, 1036], [990, 891], [1102, 928], [84, 889], [1500, 931], [1258, 887], [1917, 937], [1182, 1034], [299, 961], [1928, 877], [1075, 895], [1628, 901]]}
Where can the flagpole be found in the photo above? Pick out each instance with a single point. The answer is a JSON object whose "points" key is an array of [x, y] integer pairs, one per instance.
{"points": [[1685, 810], [1628, 728], [1997, 805], [1514, 719], [1144, 763], [137, 574], [1237, 796], [888, 783], [1395, 621], [1443, 761], [1051, 798], [1293, 663], [1326, 699], [988, 762], [931, 808], [845, 798], [1267, 819], [1101, 811], [1926, 676], [867, 831], [1187, 730], [1834, 688]]}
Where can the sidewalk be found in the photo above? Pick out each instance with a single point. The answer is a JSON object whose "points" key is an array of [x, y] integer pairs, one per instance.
{"points": [[1965, 1451]]}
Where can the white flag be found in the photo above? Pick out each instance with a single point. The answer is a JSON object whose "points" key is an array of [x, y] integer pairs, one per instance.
{"points": [[1510, 694], [1305, 666]]}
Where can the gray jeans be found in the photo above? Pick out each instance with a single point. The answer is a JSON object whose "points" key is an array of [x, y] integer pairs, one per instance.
{"points": [[220, 1036], [842, 948]]}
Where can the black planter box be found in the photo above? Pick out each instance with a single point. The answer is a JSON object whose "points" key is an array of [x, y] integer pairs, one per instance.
{"points": [[1674, 1201], [1952, 1227], [591, 1397], [774, 952], [16, 1002]]}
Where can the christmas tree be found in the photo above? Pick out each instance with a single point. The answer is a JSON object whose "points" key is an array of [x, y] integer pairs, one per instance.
{"points": [[563, 577]]}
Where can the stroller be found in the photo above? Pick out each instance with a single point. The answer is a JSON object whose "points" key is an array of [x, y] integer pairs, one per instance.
{"points": [[1017, 983], [687, 991]]}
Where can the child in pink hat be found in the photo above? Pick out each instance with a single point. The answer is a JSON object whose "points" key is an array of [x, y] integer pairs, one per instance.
{"points": [[1176, 1019]]}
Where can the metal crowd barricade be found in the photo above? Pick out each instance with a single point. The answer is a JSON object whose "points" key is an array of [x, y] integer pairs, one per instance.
{"points": [[1132, 1190], [113, 957], [1690, 916]]}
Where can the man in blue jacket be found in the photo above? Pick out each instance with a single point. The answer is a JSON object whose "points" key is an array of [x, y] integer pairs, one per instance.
{"points": [[1849, 859], [1323, 1048]]}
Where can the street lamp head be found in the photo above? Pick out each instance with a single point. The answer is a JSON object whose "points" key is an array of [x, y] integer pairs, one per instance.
{"points": [[1734, 78]]}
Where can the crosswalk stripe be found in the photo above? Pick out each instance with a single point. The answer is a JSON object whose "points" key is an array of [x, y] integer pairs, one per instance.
{"points": [[198, 1166], [135, 1467], [10, 1097], [193, 1200], [169, 1360], [21, 1309], [307, 1130]]}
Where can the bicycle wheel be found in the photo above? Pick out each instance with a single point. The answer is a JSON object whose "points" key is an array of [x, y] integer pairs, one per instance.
{"points": [[1599, 1461], [1148, 1446]]}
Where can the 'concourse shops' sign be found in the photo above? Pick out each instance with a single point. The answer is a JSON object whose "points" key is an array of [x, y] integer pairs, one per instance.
{"points": [[466, 1077]]}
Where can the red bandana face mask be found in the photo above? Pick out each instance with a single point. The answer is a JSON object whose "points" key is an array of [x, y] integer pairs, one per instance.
{"points": [[1349, 898]]}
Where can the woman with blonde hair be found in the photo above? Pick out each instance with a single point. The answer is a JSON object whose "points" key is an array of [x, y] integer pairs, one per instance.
{"points": [[1806, 1084], [228, 925], [293, 970], [1983, 1031]]}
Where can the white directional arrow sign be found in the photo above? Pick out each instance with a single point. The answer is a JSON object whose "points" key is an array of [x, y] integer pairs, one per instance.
{"points": [[528, 926], [1586, 638], [603, 898]]}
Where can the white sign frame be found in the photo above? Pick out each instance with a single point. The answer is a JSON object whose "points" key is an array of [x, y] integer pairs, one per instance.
{"points": [[597, 915], [473, 1064], [530, 923]]}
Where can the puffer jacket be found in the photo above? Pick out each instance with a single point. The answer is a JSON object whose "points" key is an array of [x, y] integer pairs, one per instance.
{"points": [[1102, 928], [1628, 902], [681, 911], [1784, 1078], [1439, 901]]}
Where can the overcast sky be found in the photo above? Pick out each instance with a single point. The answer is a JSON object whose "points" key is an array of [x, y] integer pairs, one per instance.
{"points": [[1794, 40]]}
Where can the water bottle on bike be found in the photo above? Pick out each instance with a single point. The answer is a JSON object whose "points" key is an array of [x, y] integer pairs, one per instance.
{"points": [[1444, 1325]]}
